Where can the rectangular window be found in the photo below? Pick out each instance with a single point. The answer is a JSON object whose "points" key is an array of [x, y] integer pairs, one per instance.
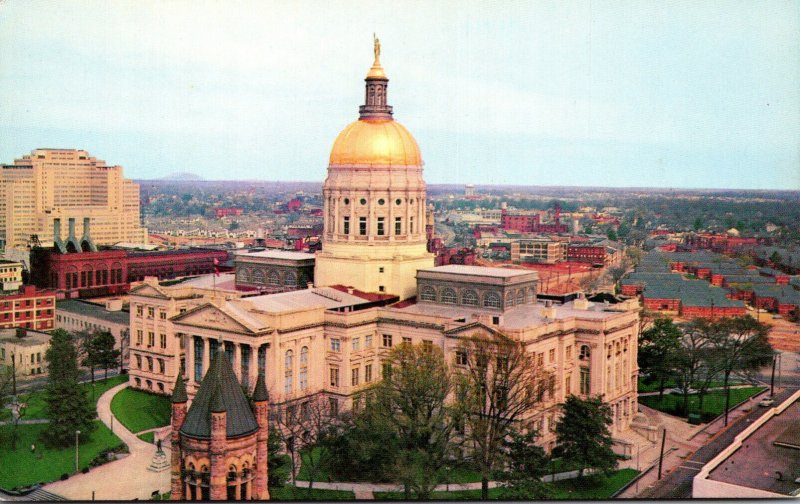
{"points": [[354, 376], [362, 225], [138, 336], [333, 404], [161, 366], [198, 359], [336, 345], [334, 375], [568, 385], [411, 225], [569, 353], [386, 369], [368, 341], [461, 357], [540, 359], [551, 357], [163, 340], [356, 344], [427, 345], [139, 310], [368, 373], [151, 312], [585, 381], [346, 225], [162, 315], [387, 340], [139, 362], [406, 340], [398, 226], [151, 339], [380, 226], [244, 363]]}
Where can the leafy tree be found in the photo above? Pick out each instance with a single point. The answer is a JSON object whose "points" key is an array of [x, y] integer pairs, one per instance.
{"points": [[411, 400], [527, 463], [658, 348], [740, 345], [776, 258], [698, 224], [498, 385], [99, 351], [611, 234], [233, 226], [277, 463], [582, 434], [694, 361], [67, 406]]}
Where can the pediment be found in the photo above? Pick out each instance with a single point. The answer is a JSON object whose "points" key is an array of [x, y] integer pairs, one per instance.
{"points": [[148, 291], [478, 329], [209, 316]]}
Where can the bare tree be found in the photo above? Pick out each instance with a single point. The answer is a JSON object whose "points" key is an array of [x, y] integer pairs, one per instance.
{"points": [[304, 424], [694, 362], [497, 386]]}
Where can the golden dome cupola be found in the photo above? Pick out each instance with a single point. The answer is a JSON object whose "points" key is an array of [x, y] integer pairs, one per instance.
{"points": [[375, 105]]}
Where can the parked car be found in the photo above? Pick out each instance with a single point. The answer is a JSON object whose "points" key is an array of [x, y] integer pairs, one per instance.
{"points": [[766, 402], [679, 391]]}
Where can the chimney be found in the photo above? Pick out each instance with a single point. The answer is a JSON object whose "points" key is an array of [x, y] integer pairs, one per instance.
{"points": [[86, 235], [71, 235], [310, 285], [21, 332], [581, 303], [549, 311], [56, 230]]}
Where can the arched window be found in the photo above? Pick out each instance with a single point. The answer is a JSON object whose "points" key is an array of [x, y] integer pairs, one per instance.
{"points": [[469, 298], [244, 275], [303, 379], [585, 352], [290, 279], [449, 296], [509, 299], [491, 300], [521, 297], [258, 276], [428, 293], [287, 373], [233, 483], [274, 278]]}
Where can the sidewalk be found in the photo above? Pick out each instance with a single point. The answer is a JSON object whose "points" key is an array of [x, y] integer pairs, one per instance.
{"points": [[124, 479]]}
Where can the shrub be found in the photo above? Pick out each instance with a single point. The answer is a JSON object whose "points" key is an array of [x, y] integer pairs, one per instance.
{"points": [[64, 476]]}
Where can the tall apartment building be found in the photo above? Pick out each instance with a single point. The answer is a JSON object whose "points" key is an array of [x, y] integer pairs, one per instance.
{"points": [[51, 184]]}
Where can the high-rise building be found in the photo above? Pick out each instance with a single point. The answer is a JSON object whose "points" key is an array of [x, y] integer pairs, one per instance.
{"points": [[51, 184], [374, 201]]}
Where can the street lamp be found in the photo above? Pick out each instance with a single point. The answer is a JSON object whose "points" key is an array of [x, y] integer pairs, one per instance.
{"points": [[77, 433]]}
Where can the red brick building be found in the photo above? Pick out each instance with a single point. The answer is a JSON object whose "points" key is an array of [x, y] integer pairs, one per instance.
{"points": [[228, 212], [219, 446], [529, 223], [584, 253], [30, 308], [109, 272]]}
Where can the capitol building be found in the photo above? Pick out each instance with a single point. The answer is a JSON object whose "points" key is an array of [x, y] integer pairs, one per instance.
{"points": [[375, 287]]}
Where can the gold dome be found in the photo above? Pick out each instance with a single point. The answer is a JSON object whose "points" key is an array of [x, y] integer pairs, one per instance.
{"points": [[375, 142]]}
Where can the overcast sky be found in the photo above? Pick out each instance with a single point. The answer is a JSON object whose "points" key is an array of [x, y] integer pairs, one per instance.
{"points": [[643, 93]]}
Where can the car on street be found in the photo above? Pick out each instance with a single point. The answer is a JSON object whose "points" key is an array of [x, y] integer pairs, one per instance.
{"points": [[766, 402]]}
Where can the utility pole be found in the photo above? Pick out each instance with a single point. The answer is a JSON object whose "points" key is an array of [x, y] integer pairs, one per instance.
{"points": [[661, 457], [14, 375], [772, 380]]}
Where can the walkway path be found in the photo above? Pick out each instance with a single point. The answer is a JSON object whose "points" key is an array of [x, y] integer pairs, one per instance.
{"points": [[124, 479]]}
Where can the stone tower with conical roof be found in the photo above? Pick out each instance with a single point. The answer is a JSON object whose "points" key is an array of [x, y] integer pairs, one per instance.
{"points": [[219, 445], [374, 201]]}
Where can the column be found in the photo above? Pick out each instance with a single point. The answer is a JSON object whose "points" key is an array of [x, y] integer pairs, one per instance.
{"points": [[253, 368], [237, 361], [206, 359], [189, 353], [390, 218], [335, 223], [353, 221]]}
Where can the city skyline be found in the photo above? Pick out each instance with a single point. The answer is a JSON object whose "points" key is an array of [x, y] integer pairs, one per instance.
{"points": [[637, 94]]}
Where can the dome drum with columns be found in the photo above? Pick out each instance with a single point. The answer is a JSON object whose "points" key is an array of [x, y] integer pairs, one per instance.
{"points": [[374, 201]]}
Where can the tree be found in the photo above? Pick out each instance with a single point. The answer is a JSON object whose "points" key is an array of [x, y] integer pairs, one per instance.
{"points": [[498, 385], [99, 351], [308, 425], [658, 348], [740, 345], [698, 224], [776, 258], [277, 463], [410, 399], [693, 359], [582, 434], [611, 234], [527, 463], [67, 406]]}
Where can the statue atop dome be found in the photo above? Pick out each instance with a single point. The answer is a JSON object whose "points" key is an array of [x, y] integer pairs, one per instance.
{"points": [[377, 47]]}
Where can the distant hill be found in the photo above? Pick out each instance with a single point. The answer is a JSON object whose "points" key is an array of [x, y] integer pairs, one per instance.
{"points": [[182, 176]]}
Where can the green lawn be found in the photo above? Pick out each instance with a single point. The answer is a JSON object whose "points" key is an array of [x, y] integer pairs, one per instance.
{"points": [[593, 487], [589, 487], [37, 406], [148, 437], [288, 492], [139, 410], [668, 384], [21, 467], [713, 403]]}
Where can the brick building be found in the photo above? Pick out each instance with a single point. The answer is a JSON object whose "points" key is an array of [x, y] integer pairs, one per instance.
{"points": [[29, 307]]}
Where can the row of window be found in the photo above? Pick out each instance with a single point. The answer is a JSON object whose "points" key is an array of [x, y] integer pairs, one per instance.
{"points": [[271, 277], [469, 297], [380, 228], [151, 339], [381, 201], [151, 312], [149, 364]]}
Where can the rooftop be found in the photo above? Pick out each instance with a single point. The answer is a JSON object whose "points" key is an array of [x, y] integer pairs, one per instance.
{"points": [[278, 254], [32, 338], [461, 269], [93, 310], [326, 297]]}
